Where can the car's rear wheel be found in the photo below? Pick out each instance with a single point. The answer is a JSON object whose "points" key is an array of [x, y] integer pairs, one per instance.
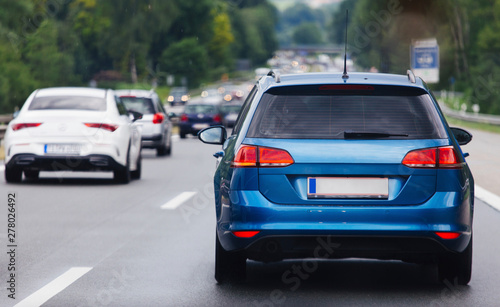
{"points": [[162, 150], [13, 174], [183, 135], [229, 266], [32, 175], [456, 267], [123, 174], [137, 173]]}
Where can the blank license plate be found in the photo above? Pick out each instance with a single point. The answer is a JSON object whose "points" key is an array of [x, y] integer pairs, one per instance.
{"points": [[62, 148], [200, 126], [337, 187]]}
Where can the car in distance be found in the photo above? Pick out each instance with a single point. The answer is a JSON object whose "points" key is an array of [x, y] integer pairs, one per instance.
{"points": [[73, 129], [229, 114], [178, 96], [197, 117], [326, 166], [156, 128]]}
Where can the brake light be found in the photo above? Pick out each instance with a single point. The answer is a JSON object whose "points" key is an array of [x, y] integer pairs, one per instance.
{"points": [[346, 87], [246, 234], [246, 157], [184, 118], [421, 158], [109, 127], [217, 118], [20, 126], [440, 157], [448, 158], [448, 235], [255, 156], [274, 157], [158, 118]]}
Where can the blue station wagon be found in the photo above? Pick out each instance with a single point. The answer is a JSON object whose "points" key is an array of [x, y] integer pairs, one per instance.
{"points": [[329, 166]]}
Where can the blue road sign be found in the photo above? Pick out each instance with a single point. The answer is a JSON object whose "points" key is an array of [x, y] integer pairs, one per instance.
{"points": [[424, 57]]}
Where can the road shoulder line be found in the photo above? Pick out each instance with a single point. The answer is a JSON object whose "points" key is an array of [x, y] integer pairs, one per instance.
{"points": [[487, 197]]}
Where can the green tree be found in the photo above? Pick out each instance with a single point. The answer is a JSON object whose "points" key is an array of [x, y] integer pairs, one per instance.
{"points": [[187, 58], [307, 34], [51, 62]]}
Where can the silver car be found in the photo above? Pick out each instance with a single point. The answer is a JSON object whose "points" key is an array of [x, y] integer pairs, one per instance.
{"points": [[156, 126]]}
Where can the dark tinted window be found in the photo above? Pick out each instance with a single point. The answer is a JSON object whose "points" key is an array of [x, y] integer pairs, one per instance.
{"points": [[327, 114], [141, 105], [68, 103], [119, 105]]}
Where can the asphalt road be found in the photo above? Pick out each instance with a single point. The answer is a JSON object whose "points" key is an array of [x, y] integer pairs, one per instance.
{"points": [[85, 241]]}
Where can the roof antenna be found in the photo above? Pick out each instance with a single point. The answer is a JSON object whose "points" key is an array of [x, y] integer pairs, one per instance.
{"points": [[344, 75]]}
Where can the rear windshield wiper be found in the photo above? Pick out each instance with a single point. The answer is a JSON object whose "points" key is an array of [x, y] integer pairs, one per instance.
{"points": [[371, 135]]}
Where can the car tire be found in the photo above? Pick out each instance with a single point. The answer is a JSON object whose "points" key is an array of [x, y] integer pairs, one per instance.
{"points": [[13, 174], [456, 268], [162, 150], [137, 173], [123, 174], [229, 266], [32, 175], [183, 135]]}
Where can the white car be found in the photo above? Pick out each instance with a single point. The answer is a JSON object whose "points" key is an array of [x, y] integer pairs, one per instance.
{"points": [[73, 129], [156, 127]]}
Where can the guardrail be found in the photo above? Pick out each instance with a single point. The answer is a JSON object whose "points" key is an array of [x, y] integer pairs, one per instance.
{"points": [[469, 116], [4, 120]]}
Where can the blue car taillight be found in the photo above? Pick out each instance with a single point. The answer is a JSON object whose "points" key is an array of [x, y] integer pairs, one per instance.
{"points": [[440, 157], [258, 156]]}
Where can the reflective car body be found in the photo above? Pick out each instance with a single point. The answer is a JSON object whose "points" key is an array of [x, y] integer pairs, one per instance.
{"points": [[73, 129], [329, 167], [156, 128]]}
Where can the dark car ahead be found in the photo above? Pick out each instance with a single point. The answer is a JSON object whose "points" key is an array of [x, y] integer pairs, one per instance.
{"points": [[323, 166], [197, 117]]}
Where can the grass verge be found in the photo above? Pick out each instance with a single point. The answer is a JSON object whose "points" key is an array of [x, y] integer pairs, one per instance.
{"points": [[472, 125]]}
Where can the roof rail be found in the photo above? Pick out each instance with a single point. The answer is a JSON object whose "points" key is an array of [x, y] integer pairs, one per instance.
{"points": [[411, 76], [275, 75]]}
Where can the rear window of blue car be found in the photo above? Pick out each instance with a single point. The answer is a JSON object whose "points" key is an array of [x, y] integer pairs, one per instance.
{"points": [[328, 111]]}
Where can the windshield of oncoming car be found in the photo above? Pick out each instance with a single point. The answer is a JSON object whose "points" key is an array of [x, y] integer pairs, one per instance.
{"points": [[85, 103], [307, 112], [137, 104]]}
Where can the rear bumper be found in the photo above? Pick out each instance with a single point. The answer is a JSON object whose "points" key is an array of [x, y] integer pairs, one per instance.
{"points": [[355, 228], [64, 163], [152, 141]]}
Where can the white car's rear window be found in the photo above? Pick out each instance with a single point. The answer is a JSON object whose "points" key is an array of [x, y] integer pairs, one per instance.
{"points": [[68, 103]]}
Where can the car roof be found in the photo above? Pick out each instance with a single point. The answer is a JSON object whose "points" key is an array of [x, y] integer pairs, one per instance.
{"points": [[135, 93], [72, 91], [336, 78]]}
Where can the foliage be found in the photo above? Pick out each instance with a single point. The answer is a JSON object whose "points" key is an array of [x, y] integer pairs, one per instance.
{"points": [[59, 43], [307, 34], [380, 33]]}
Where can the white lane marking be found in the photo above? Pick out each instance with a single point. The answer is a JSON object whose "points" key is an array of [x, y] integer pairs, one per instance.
{"points": [[51, 289], [175, 137], [2, 168], [178, 200], [486, 196]]}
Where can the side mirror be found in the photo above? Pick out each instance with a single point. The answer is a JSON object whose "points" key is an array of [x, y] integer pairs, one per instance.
{"points": [[215, 135], [134, 116], [463, 136]]}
